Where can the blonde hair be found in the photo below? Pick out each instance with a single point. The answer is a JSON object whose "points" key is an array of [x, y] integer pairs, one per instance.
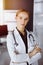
{"points": [[22, 10]]}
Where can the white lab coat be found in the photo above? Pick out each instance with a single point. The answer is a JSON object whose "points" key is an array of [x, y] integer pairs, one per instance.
{"points": [[22, 58]]}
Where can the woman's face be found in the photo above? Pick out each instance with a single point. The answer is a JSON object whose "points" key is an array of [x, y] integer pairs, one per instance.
{"points": [[22, 19]]}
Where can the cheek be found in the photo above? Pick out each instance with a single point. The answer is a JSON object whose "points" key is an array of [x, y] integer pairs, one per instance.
{"points": [[26, 22], [18, 22]]}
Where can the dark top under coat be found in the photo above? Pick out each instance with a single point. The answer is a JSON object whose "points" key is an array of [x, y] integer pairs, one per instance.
{"points": [[24, 38]]}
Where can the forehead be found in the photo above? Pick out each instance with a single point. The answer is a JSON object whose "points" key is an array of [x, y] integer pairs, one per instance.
{"points": [[23, 14]]}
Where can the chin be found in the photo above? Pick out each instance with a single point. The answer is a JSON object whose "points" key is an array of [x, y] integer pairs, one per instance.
{"points": [[23, 27]]}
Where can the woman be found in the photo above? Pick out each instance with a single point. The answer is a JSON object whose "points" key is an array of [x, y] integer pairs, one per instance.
{"points": [[18, 43]]}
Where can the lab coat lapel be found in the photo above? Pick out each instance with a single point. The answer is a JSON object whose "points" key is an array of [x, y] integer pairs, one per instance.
{"points": [[19, 40], [28, 41]]}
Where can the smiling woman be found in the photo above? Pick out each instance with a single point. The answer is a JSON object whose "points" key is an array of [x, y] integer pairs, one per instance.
{"points": [[19, 45]]}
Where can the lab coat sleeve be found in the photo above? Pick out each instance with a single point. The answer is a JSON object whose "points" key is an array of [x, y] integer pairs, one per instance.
{"points": [[15, 57], [34, 58], [37, 56]]}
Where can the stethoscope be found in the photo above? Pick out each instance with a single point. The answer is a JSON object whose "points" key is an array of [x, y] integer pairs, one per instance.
{"points": [[14, 39], [30, 36], [16, 44]]}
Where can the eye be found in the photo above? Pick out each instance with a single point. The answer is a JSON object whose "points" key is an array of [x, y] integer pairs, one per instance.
{"points": [[26, 18]]}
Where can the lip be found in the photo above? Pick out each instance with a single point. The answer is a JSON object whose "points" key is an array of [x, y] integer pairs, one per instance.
{"points": [[22, 24]]}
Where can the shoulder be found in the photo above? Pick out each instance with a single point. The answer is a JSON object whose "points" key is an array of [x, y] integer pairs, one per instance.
{"points": [[10, 38], [9, 34], [29, 32]]}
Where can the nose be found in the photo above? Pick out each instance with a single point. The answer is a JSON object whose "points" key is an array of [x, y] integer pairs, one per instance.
{"points": [[23, 21]]}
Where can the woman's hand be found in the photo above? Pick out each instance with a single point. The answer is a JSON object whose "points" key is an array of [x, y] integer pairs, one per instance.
{"points": [[34, 51]]}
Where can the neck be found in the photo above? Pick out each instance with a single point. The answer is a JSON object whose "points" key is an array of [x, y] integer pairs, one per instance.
{"points": [[21, 30]]}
